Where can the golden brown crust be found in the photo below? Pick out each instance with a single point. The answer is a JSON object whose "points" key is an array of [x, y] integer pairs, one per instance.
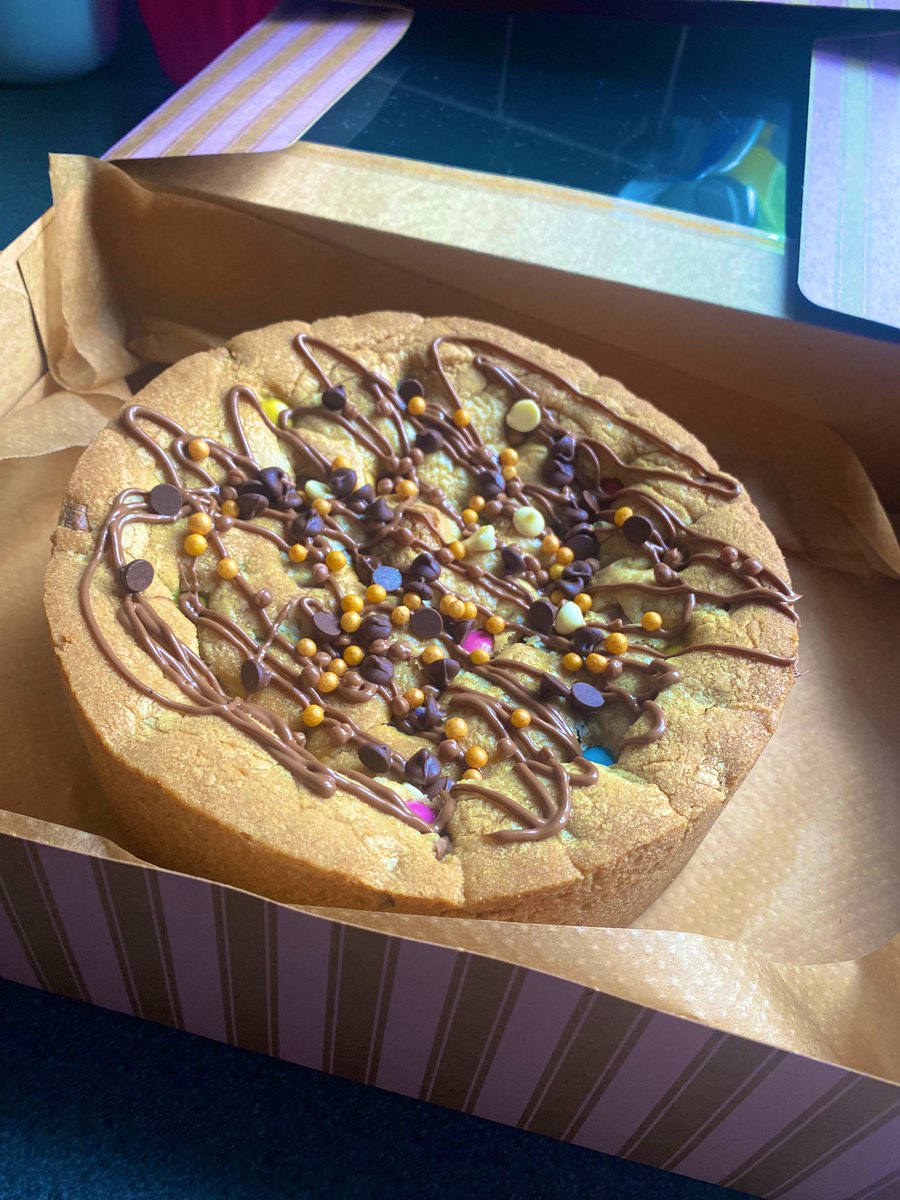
{"points": [[194, 794]]}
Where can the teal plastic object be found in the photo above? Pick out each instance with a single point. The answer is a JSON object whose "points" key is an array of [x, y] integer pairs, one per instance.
{"points": [[47, 41]]}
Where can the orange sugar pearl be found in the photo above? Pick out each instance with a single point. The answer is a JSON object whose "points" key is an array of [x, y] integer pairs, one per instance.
{"points": [[412, 600], [509, 457], [198, 449], [480, 657], [227, 568], [471, 773], [564, 555], [407, 490], [572, 661], [195, 545], [231, 508], [556, 571], [584, 601], [557, 596], [297, 553], [457, 549], [651, 621], [414, 697], [495, 625], [461, 418], [199, 522], [477, 502], [596, 663], [313, 715], [469, 516], [431, 654], [322, 506], [509, 473], [550, 544], [340, 462], [328, 681], [337, 666], [520, 718], [621, 515], [471, 610], [375, 593], [416, 406], [616, 643], [306, 647], [446, 601], [456, 728], [353, 656], [350, 622], [400, 615], [335, 560], [352, 603], [476, 756], [456, 609]]}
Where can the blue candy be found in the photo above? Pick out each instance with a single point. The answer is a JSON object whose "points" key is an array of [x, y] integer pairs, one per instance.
{"points": [[596, 754]]}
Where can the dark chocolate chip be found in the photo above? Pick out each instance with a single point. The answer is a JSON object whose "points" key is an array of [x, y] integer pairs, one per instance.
{"points": [[583, 545], [136, 576], [490, 483], [254, 675], [577, 569], [420, 587], [409, 388], [637, 530], [425, 623], [541, 616], [429, 441], [458, 629], [374, 627], [363, 495], [591, 502], [388, 577], [586, 697], [165, 500], [376, 756], [551, 688], [513, 560], [611, 486], [274, 481], [342, 481], [290, 499], [442, 672], [326, 627], [557, 473], [663, 574], [572, 515], [425, 566], [564, 448], [427, 716], [334, 399], [586, 639], [250, 487], [422, 770], [568, 587], [375, 668], [378, 512], [251, 505]]}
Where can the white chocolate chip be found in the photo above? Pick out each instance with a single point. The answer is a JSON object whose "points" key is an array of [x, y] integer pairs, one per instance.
{"points": [[569, 618], [316, 490], [485, 539], [524, 416], [528, 521]]}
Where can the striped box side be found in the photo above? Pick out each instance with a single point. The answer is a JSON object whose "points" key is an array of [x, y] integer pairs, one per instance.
{"points": [[455, 1028]]}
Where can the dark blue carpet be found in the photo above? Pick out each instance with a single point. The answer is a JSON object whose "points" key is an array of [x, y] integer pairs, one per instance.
{"points": [[97, 1106]]}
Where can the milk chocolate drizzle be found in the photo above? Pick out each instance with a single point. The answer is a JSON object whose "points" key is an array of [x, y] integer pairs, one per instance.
{"points": [[546, 755]]}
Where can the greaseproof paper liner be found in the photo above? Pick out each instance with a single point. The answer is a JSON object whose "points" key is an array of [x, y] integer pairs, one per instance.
{"points": [[776, 928]]}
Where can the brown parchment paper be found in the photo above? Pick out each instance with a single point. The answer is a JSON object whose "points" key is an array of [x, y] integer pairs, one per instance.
{"points": [[783, 926]]}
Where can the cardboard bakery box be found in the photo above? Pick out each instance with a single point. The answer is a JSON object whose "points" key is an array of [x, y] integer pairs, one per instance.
{"points": [[744, 1031]]}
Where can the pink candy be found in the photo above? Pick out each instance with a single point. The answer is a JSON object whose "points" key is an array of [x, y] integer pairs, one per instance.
{"points": [[422, 811], [476, 639]]}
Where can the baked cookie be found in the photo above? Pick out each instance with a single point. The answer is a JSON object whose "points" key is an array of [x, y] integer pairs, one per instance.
{"points": [[385, 612]]}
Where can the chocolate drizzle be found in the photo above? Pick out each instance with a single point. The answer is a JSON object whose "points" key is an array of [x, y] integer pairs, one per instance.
{"points": [[545, 752]]}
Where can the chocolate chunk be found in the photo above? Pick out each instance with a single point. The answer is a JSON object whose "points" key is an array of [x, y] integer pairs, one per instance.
{"points": [[334, 399], [442, 672], [429, 441], [326, 627], [342, 481], [274, 482], [541, 616], [409, 388], [375, 668], [583, 545], [376, 756], [378, 512], [425, 566], [363, 495], [568, 587], [586, 697], [572, 515], [458, 629], [513, 560], [254, 675], [422, 770], [427, 716], [586, 639], [558, 473], [374, 626], [420, 587], [290, 499], [551, 688], [564, 448], [136, 576], [165, 500], [249, 487], [637, 530], [577, 569], [425, 623], [591, 502], [251, 505], [388, 577], [490, 483]]}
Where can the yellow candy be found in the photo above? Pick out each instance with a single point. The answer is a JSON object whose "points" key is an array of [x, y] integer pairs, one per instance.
{"points": [[584, 601], [195, 544], [469, 516], [431, 654], [550, 544], [272, 408], [596, 663], [616, 643], [335, 560], [480, 657], [416, 406], [328, 681], [477, 502], [495, 625], [352, 603], [297, 553], [337, 666], [471, 773], [456, 609], [556, 571], [476, 756], [564, 555], [509, 473], [407, 490], [456, 728], [350, 622], [412, 600], [340, 462], [461, 418], [354, 655], [375, 593], [651, 621], [227, 568], [313, 715], [322, 506], [509, 457], [471, 610], [198, 449], [400, 615], [414, 697], [458, 549], [520, 718], [231, 508], [572, 661], [306, 647], [199, 522], [621, 515]]}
